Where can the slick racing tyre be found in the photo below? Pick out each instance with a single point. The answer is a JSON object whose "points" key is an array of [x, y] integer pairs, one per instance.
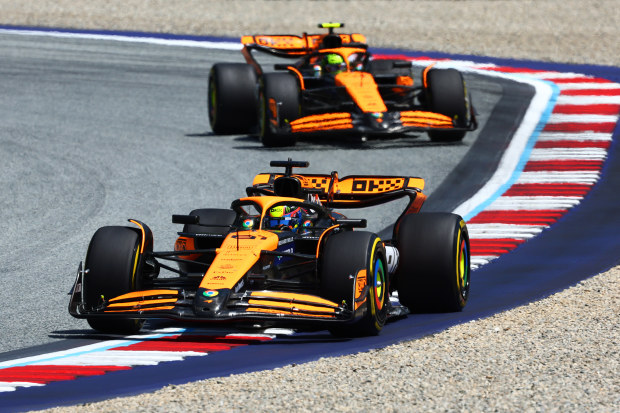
{"points": [[356, 256], [112, 265], [446, 94], [232, 98], [433, 273], [279, 105]]}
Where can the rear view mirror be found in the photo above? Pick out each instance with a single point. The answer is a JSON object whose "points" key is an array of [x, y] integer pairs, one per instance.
{"points": [[185, 219]]}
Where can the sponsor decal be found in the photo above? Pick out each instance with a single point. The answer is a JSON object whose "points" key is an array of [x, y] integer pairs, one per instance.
{"points": [[210, 293], [219, 278], [180, 244], [285, 241], [361, 282], [376, 185], [273, 108], [239, 286], [240, 247], [246, 236]]}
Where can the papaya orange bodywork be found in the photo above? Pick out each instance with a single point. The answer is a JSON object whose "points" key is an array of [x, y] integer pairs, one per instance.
{"points": [[361, 281], [423, 119], [293, 296], [363, 89], [183, 244], [238, 253], [326, 121]]}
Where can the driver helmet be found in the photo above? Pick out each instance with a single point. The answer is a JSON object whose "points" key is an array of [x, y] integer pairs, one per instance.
{"points": [[333, 64], [283, 216]]}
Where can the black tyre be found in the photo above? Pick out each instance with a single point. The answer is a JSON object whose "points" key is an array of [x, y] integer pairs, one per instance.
{"points": [[277, 90], [232, 98], [112, 264], [344, 256], [434, 268], [446, 94]]}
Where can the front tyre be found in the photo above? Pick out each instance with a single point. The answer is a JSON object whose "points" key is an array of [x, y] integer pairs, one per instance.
{"points": [[434, 270], [112, 264], [354, 272]]}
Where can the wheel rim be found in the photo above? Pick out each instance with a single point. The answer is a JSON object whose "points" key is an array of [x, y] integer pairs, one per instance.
{"points": [[463, 267], [379, 284], [212, 102], [262, 110]]}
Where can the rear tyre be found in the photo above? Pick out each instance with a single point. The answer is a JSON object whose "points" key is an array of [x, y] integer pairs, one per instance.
{"points": [[279, 104], [112, 262], [232, 98], [349, 255], [446, 94], [433, 273]]}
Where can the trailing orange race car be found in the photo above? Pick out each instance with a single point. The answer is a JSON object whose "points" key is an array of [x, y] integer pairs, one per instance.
{"points": [[334, 85], [281, 256]]}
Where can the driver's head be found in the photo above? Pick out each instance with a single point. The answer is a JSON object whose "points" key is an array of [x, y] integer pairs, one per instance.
{"points": [[333, 64], [284, 217]]}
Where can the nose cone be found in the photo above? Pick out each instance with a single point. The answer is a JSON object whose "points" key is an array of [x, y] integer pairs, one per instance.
{"points": [[378, 121], [208, 303]]}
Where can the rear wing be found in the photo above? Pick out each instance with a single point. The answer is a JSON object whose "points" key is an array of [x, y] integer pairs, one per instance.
{"points": [[289, 45], [293, 46], [355, 191]]}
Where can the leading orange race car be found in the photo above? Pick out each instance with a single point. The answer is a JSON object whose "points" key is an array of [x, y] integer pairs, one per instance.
{"points": [[281, 256]]}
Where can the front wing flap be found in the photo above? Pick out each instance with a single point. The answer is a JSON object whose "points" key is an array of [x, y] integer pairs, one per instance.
{"points": [[373, 123]]}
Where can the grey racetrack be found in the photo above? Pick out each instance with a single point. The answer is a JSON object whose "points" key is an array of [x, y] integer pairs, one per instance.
{"points": [[95, 132]]}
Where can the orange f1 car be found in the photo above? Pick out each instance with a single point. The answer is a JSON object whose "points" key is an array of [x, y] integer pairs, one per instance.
{"points": [[281, 256], [334, 85]]}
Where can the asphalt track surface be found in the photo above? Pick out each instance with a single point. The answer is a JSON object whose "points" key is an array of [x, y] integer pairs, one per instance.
{"points": [[150, 160], [96, 132]]}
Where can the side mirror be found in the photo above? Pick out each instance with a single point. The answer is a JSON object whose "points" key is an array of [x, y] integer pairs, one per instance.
{"points": [[185, 219], [401, 63], [353, 223]]}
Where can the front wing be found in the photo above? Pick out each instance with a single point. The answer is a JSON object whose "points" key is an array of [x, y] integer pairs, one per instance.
{"points": [[373, 123], [181, 304]]}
